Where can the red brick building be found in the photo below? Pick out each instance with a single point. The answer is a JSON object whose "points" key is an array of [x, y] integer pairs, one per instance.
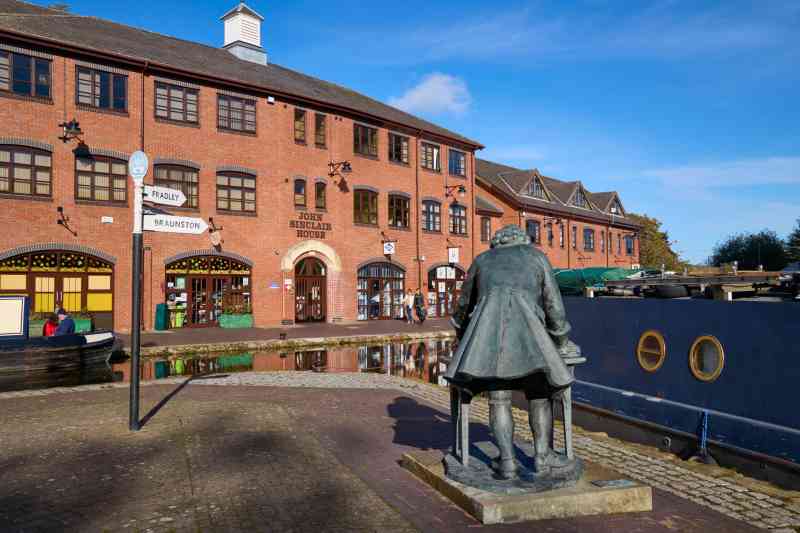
{"points": [[258, 151], [574, 227]]}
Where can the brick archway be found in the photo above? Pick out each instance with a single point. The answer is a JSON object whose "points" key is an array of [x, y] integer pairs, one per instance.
{"points": [[332, 261]]}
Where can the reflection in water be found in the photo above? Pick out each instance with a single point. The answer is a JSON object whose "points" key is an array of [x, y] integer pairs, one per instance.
{"points": [[425, 361]]}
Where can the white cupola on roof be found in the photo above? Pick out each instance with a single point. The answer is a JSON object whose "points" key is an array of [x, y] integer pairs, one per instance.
{"points": [[243, 34]]}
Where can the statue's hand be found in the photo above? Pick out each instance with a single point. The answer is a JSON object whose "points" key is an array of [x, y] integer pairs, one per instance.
{"points": [[569, 349]]}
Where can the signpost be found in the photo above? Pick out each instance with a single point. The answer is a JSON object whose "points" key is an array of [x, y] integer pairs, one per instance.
{"points": [[153, 220], [137, 168]]}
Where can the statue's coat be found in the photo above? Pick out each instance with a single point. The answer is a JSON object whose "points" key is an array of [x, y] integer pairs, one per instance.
{"points": [[510, 319]]}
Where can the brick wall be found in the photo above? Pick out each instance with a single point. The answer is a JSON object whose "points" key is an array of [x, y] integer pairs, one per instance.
{"points": [[266, 239]]}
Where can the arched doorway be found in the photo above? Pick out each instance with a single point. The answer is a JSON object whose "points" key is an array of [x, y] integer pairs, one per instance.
{"points": [[380, 291], [78, 281], [310, 281], [200, 288], [444, 288]]}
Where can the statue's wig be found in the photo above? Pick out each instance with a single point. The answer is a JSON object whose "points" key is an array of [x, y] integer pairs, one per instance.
{"points": [[511, 235]]}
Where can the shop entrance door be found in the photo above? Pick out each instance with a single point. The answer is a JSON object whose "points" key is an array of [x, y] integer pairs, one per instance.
{"points": [[310, 291], [444, 288]]}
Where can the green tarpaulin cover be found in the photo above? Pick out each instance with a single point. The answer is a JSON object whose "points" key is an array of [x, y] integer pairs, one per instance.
{"points": [[574, 280]]}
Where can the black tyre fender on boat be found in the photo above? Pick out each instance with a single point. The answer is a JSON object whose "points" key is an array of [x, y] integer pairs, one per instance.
{"points": [[671, 291]]}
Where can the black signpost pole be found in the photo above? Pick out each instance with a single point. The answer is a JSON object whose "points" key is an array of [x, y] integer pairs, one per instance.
{"points": [[136, 307], [137, 168]]}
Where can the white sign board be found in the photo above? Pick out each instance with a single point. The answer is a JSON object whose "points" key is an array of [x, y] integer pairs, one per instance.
{"points": [[164, 196], [173, 224], [138, 165], [389, 247], [452, 256]]}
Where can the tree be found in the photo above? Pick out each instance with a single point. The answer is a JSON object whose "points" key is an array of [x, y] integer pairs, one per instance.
{"points": [[793, 244], [751, 250], [654, 245]]}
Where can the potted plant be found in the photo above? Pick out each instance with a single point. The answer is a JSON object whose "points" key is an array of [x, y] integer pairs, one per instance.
{"points": [[236, 316]]}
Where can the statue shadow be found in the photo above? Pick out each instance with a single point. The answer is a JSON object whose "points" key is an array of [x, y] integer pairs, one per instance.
{"points": [[422, 427]]}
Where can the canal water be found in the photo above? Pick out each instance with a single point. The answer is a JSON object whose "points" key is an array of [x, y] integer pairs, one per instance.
{"points": [[421, 360]]}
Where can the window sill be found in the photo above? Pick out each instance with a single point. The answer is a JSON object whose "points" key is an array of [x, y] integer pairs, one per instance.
{"points": [[102, 203], [399, 228], [399, 163], [321, 146], [321, 209], [163, 120], [237, 132], [300, 143], [300, 208], [26, 98], [93, 109], [366, 156], [27, 197], [459, 235], [431, 231], [184, 209], [459, 176], [431, 170], [223, 212], [365, 225]]}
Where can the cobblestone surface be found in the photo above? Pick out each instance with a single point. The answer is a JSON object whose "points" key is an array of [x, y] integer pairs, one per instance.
{"points": [[203, 499]]}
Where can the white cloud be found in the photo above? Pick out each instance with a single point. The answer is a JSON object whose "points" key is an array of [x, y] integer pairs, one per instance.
{"points": [[436, 94], [744, 172]]}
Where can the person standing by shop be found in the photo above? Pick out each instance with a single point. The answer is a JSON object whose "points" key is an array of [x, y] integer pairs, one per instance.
{"points": [[419, 305], [408, 304]]}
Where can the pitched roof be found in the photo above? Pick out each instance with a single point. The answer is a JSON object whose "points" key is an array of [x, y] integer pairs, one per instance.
{"points": [[482, 204], [504, 179], [242, 8], [169, 53]]}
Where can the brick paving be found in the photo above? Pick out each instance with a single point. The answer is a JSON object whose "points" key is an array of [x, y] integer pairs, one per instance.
{"points": [[223, 454]]}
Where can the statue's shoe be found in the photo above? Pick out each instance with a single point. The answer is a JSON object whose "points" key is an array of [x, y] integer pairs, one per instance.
{"points": [[505, 468], [552, 461]]}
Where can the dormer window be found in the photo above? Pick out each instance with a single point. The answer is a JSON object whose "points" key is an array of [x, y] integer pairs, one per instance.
{"points": [[616, 209], [535, 189], [580, 199]]}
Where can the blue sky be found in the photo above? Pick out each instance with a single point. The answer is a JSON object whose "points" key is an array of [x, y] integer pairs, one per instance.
{"points": [[689, 109]]}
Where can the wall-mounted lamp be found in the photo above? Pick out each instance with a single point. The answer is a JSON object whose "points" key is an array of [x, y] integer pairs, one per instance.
{"points": [[63, 220], [452, 190], [72, 130], [338, 169]]}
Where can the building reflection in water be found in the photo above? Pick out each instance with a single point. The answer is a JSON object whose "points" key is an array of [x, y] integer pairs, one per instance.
{"points": [[424, 360]]}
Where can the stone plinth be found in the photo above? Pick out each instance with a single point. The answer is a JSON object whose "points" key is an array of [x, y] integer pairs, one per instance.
{"points": [[598, 492]]}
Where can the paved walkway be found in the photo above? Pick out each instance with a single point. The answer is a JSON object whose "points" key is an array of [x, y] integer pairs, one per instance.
{"points": [[264, 451], [205, 336]]}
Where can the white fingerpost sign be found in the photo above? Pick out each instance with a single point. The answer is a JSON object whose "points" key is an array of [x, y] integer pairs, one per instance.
{"points": [[452, 255], [138, 165], [173, 224], [389, 247], [164, 196]]}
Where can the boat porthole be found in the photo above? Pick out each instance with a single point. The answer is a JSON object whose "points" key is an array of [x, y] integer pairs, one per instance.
{"points": [[706, 358], [651, 350]]}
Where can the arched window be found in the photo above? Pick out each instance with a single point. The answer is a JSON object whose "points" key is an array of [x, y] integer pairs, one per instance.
{"points": [[365, 207], [299, 193], [398, 211], [380, 291], [534, 230], [25, 171], [320, 200], [180, 178], [431, 216], [101, 179], [201, 288], [76, 281], [236, 192], [458, 219]]}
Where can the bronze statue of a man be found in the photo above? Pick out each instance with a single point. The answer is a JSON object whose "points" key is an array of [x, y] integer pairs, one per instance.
{"points": [[512, 332]]}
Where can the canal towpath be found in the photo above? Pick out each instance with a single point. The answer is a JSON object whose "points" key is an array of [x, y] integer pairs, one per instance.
{"points": [[222, 340]]}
